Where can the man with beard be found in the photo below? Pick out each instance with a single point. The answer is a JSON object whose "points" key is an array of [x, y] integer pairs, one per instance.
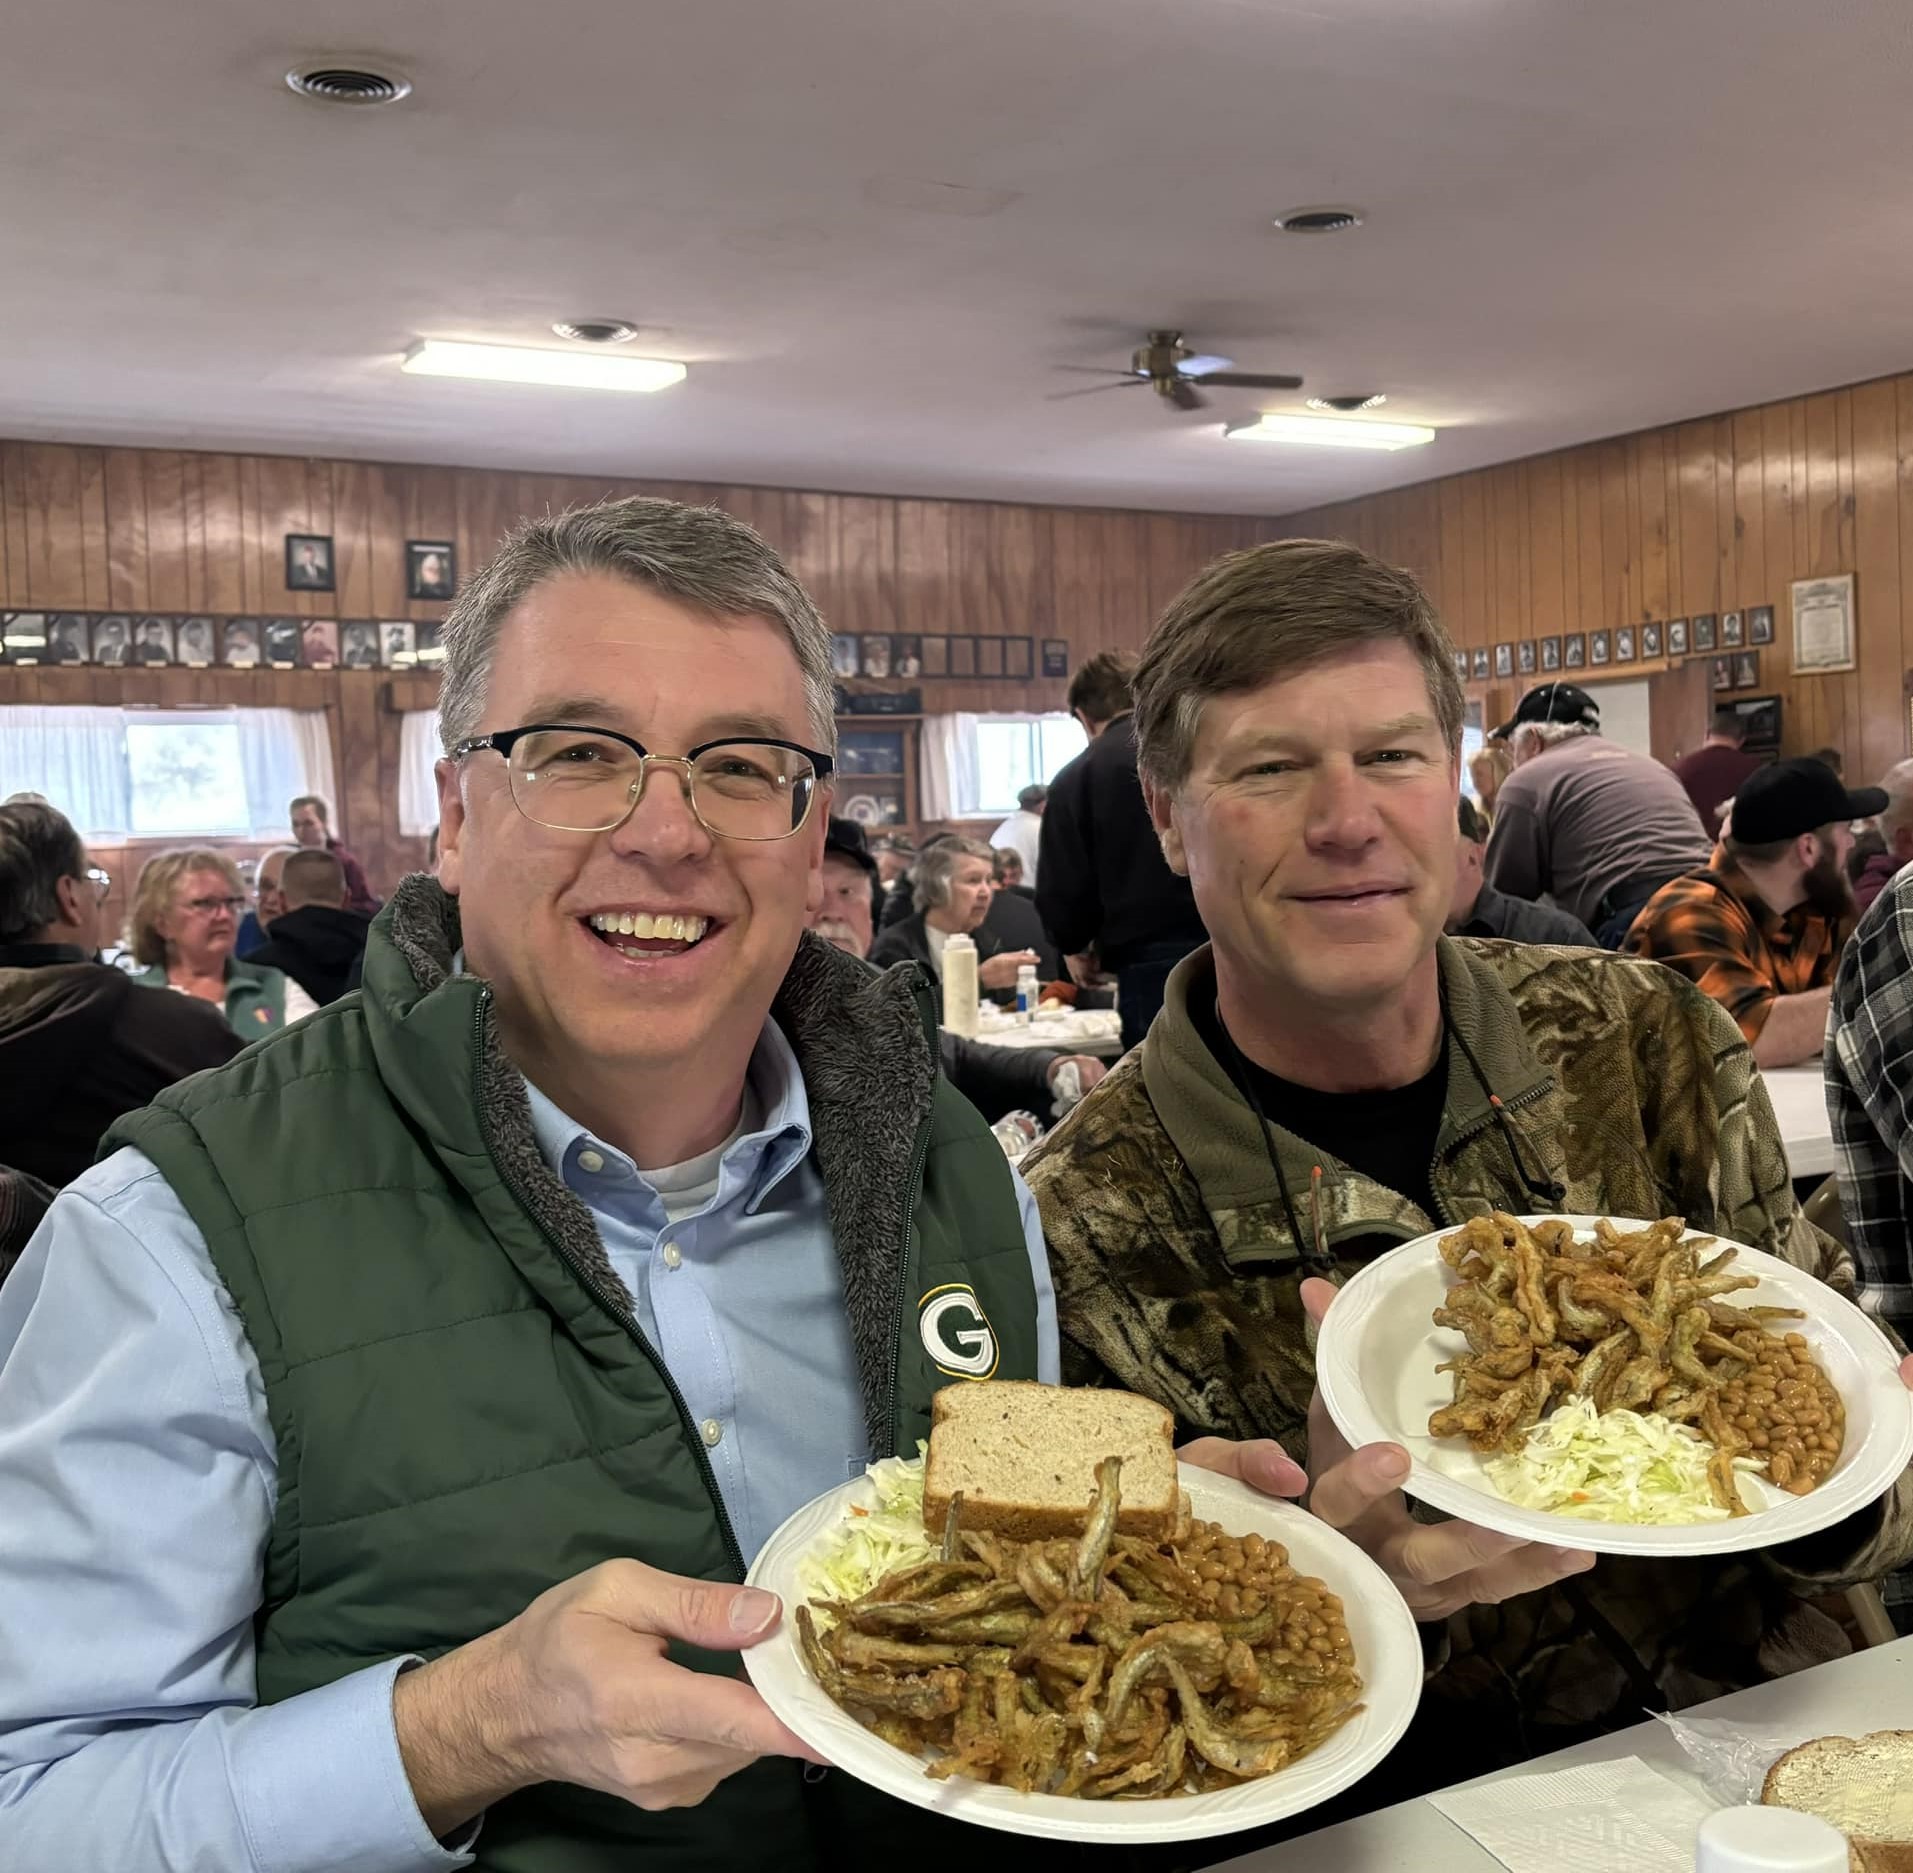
{"points": [[1761, 929]]}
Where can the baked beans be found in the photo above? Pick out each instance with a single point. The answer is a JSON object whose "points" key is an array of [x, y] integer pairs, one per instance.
{"points": [[1243, 1576], [1785, 1408]]}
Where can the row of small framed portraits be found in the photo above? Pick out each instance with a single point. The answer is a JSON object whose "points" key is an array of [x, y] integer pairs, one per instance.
{"points": [[1628, 643], [121, 640], [886, 654]]}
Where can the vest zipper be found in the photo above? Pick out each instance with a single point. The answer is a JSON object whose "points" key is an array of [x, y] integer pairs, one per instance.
{"points": [[626, 1319], [1474, 1131]]}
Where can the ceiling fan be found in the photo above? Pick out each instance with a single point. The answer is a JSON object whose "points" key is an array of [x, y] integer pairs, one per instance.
{"points": [[1173, 370]]}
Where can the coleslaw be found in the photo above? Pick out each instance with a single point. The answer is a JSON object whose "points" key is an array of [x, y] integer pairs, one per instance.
{"points": [[1615, 1466], [873, 1541]]}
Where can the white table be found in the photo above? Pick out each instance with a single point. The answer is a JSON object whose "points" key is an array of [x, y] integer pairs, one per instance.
{"points": [[1872, 1690], [1800, 1104], [1096, 1031]]}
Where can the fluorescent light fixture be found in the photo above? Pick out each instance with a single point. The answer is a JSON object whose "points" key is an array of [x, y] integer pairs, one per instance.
{"points": [[517, 364], [1332, 432]]}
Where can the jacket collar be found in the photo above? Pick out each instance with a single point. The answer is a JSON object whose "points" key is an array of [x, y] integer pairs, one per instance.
{"points": [[864, 1044], [41, 955], [1214, 1131]]}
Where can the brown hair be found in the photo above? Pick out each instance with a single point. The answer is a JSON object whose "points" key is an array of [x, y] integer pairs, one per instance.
{"points": [[153, 896], [312, 877], [311, 800], [1101, 689], [1269, 612], [1771, 851]]}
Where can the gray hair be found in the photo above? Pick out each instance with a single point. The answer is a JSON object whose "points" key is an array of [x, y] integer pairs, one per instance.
{"points": [[700, 556], [1532, 738], [38, 847], [1898, 811], [930, 883]]}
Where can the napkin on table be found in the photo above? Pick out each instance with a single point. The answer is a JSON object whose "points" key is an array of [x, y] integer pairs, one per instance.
{"points": [[1604, 1817]]}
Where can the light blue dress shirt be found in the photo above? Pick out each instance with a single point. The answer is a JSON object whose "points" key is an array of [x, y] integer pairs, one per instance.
{"points": [[138, 1477]]}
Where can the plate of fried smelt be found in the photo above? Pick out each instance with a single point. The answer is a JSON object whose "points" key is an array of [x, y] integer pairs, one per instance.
{"points": [[1632, 1321], [1626, 1386], [1097, 1666]]}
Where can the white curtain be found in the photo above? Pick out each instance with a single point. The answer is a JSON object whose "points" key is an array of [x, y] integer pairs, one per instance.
{"points": [[418, 785], [76, 757], [950, 778]]}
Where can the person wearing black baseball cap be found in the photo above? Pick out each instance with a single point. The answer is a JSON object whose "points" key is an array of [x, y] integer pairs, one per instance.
{"points": [[1583, 821], [1761, 929]]}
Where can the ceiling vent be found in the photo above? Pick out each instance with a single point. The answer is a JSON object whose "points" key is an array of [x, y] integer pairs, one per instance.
{"points": [[347, 84], [1319, 220], [597, 331]]}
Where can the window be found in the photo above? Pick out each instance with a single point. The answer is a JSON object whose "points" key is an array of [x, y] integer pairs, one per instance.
{"points": [[974, 766], [167, 773]]}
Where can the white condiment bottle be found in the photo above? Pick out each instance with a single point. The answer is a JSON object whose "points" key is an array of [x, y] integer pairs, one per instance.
{"points": [[1026, 993], [960, 986], [1768, 1840]]}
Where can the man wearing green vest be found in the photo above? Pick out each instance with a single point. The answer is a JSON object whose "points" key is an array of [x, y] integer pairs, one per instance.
{"points": [[386, 1420]]}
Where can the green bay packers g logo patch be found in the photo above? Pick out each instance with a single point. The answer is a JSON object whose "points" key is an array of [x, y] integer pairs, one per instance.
{"points": [[956, 1333]]}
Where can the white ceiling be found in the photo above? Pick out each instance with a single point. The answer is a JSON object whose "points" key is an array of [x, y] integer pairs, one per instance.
{"points": [[874, 227]]}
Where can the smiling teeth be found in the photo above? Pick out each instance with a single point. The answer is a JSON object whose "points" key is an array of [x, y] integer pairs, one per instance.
{"points": [[643, 924]]}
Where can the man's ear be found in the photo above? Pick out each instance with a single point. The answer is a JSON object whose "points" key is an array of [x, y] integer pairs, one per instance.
{"points": [[1162, 814], [72, 903], [451, 823]]}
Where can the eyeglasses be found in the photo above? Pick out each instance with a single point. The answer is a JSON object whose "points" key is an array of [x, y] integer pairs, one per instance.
{"points": [[212, 906], [101, 881], [591, 779]]}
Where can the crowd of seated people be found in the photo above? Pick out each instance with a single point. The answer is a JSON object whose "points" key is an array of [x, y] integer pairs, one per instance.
{"points": [[623, 1130]]}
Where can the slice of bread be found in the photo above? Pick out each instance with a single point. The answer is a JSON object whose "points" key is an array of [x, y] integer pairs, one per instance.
{"points": [[1863, 1786], [1025, 1458]]}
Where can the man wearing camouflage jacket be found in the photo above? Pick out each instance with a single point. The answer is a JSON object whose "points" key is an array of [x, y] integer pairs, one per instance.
{"points": [[1332, 1076]]}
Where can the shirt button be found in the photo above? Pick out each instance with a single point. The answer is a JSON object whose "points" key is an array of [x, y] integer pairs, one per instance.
{"points": [[673, 1255], [592, 1161], [713, 1433]]}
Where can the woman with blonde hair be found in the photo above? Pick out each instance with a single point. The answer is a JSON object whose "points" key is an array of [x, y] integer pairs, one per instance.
{"points": [[186, 914], [1488, 767]]}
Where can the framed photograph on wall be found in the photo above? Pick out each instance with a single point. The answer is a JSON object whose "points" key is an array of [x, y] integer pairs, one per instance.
{"points": [[1461, 665], [1527, 657], [936, 654], [843, 655], [989, 656], [963, 656], [152, 642], [1732, 632], [906, 656], [239, 644], [1056, 658], [1650, 640], [429, 639], [1703, 630], [1624, 644], [282, 643], [309, 562], [1504, 660], [398, 647], [359, 646], [23, 637], [1760, 624], [1478, 663], [1598, 648], [69, 637], [1550, 653], [1822, 625], [1723, 673], [431, 569], [112, 640], [319, 644], [1747, 669], [1019, 657], [196, 649], [1677, 637], [874, 651], [1574, 651]]}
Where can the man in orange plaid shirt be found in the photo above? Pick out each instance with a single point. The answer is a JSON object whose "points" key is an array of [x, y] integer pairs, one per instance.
{"points": [[1761, 929]]}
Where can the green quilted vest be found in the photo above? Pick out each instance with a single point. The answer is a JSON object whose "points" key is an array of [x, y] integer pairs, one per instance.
{"points": [[255, 1003], [464, 1408]]}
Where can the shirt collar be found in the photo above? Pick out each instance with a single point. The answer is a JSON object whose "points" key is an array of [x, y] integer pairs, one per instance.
{"points": [[41, 955], [754, 1163]]}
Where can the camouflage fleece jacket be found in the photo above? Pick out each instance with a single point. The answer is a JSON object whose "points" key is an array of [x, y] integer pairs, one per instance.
{"points": [[1176, 1276]]}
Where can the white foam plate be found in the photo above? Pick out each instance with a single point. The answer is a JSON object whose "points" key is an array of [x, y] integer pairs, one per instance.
{"points": [[1379, 1347], [1387, 1653]]}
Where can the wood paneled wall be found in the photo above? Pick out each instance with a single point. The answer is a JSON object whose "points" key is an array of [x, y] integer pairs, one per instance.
{"points": [[168, 531], [1708, 516]]}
